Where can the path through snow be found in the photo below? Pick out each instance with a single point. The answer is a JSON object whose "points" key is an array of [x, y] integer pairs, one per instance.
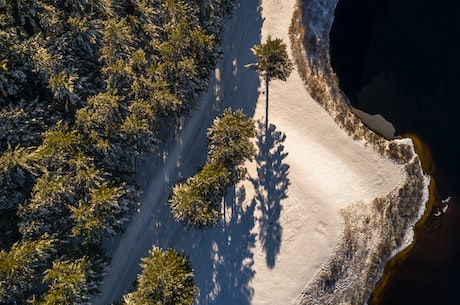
{"points": [[232, 85]]}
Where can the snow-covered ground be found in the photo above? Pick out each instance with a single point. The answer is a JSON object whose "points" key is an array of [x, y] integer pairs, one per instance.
{"points": [[283, 223]]}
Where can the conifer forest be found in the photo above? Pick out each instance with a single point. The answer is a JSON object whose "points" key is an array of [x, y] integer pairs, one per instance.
{"points": [[87, 89]]}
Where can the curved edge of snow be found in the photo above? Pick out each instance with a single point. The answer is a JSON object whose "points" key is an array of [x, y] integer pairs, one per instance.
{"points": [[374, 233]]}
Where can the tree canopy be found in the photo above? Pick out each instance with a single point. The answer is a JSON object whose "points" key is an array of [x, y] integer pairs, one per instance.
{"points": [[196, 201], [166, 278], [230, 139], [273, 59]]}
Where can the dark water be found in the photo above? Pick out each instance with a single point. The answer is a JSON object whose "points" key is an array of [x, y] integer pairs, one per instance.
{"points": [[401, 58]]}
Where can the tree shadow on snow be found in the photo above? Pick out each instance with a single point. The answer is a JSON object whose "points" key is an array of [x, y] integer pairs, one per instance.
{"points": [[222, 257], [271, 186], [224, 273]]}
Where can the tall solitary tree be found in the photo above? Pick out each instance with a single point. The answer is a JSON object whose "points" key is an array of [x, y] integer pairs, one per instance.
{"points": [[273, 63]]}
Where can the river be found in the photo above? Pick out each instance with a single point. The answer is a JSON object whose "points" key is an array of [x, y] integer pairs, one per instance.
{"points": [[401, 59]]}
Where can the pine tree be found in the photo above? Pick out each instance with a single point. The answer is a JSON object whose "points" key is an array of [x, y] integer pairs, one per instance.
{"points": [[166, 278], [21, 266], [101, 215], [60, 144], [274, 63], [15, 170], [85, 172], [230, 139], [62, 86], [184, 52], [68, 283], [99, 122], [196, 202], [47, 211], [137, 130], [116, 52]]}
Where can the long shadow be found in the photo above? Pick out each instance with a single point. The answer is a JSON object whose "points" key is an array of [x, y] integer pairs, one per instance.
{"points": [[271, 185], [230, 267]]}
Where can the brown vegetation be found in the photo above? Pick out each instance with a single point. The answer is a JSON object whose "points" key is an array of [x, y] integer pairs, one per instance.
{"points": [[374, 232]]}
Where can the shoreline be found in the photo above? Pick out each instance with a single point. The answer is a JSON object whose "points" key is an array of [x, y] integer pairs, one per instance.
{"points": [[377, 123], [389, 270], [322, 83], [424, 154]]}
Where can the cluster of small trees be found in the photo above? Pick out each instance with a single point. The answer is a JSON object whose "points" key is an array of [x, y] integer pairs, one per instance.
{"points": [[197, 201], [86, 88]]}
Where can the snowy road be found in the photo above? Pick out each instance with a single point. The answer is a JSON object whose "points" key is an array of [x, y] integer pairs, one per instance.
{"points": [[232, 86]]}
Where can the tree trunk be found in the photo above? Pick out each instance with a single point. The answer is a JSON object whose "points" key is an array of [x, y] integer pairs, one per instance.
{"points": [[267, 80]]}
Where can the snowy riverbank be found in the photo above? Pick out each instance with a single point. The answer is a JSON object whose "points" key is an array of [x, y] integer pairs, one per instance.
{"points": [[373, 232], [285, 226]]}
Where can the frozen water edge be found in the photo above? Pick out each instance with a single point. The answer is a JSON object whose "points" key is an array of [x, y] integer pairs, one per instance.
{"points": [[409, 237], [349, 276]]}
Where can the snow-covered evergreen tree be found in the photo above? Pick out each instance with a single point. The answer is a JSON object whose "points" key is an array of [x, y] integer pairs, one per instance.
{"points": [[69, 283], [166, 278], [197, 201], [21, 267]]}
